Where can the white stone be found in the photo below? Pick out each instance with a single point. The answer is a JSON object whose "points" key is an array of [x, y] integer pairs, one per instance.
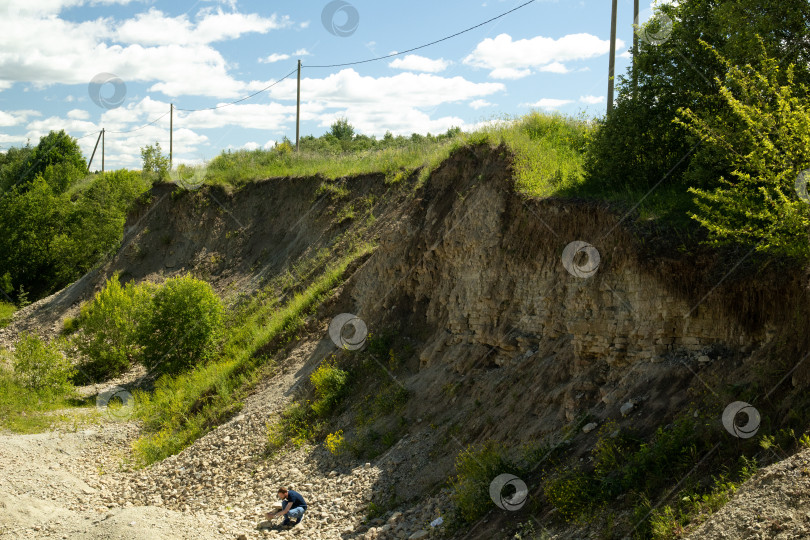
{"points": [[589, 427]]}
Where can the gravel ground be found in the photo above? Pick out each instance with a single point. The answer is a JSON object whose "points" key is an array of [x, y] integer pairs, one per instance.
{"points": [[73, 484]]}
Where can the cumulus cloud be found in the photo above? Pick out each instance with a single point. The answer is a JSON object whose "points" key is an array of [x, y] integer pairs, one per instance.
{"points": [[480, 104], [172, 52], [592, 100], [550, 103], [274, 58], [509, 59], [397, 103], [414, 62]]}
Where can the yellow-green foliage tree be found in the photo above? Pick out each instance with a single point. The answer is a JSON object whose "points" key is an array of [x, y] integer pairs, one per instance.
{"points": [[766, 137]]}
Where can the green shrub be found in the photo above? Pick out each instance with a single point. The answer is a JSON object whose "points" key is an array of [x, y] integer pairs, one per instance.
{"points": [[41, 366], [330, 384], [7, 310], [476, 468], [110, 328], [767, 138], [184, 326]]}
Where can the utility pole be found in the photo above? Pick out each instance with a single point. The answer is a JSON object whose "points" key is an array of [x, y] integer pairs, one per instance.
{"points": [[298, 112], [636, 22], [98, 140], [102, 149], [612, 56], [171, 133]]}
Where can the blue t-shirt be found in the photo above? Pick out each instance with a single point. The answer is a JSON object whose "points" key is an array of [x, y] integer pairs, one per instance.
{"points": [[295, 498]]}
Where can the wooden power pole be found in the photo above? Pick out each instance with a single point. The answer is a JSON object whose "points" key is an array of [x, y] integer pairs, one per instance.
{"points": [[636, 22], [612, 56], [171, 134], [298, 112], [102, 149]]}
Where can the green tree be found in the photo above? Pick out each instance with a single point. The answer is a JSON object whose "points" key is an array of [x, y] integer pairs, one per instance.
{"points": [[110, 327], [767, 138], [155, 164], [184, 326], [342, 130], [639, 144]]}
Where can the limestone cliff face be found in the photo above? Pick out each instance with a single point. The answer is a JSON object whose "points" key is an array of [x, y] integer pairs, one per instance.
{"points": [[477, 272]]}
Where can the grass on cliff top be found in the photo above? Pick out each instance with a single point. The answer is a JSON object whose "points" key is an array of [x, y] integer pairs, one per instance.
{"points": [[547, 148]]}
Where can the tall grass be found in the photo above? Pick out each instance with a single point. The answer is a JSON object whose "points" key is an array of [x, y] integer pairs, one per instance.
{"points": [[237, 168], [7, 310], [548, 149]]}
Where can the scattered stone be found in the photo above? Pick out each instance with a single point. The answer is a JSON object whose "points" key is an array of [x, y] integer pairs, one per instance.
{"points": [[626, 408], [589, 427]]}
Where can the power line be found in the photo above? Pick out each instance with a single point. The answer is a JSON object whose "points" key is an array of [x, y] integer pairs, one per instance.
{"points": [[241, 99], [143, 126], [504, 14], [344, 64]]}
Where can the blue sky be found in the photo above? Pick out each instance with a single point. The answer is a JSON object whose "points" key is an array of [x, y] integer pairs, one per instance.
{"points": [[548, 55]]}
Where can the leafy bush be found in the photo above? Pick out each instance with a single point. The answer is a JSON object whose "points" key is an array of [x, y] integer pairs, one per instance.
{"points": [[41, 366], [330, 384], [476, 468], [767, 139], [110, 327], [184, 326]]}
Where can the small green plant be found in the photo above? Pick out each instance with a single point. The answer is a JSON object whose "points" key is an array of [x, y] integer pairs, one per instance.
{"points": [[335, 443], [7, 310], [330, 383], [41, 366]]}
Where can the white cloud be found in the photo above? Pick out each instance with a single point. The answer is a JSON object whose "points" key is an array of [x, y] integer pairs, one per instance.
{"points": [[509, 73], [155, 28], [549, 103], [7, 120], [172, 52], [414, 62], [78, 114], [13, 118], [480, 104], [398, 103], [554, 67], [274, 58], [592, 100], [506, 58]]}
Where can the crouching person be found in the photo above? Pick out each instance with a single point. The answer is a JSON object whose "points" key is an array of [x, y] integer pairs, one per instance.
{"points": [[293, 507]]}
